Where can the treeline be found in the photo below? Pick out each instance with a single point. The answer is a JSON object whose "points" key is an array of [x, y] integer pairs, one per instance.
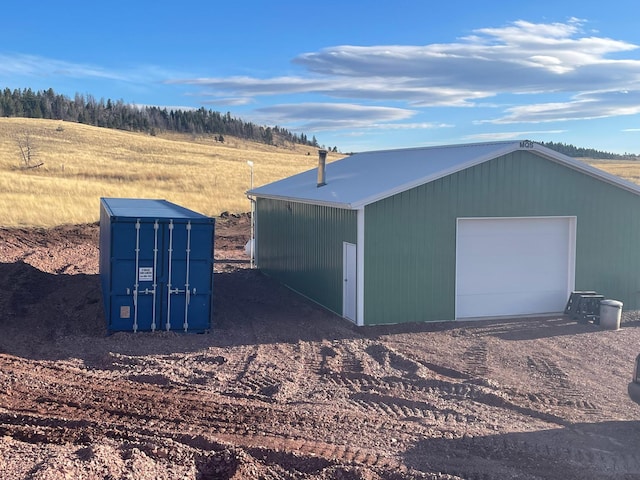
{"points": [[573, 151], [119, 115]]}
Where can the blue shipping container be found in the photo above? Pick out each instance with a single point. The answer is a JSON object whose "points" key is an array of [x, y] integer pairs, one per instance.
{"points": [[156, 266]]}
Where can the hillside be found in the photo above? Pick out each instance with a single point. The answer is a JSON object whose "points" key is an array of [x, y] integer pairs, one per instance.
{"points": [[47, 104], [81, 163]]}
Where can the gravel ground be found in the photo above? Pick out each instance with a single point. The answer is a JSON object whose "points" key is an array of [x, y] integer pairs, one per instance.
{"points": [[282, 389]]}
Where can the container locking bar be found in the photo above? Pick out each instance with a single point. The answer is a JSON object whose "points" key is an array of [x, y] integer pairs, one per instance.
{"points": [[155, 274], [136, 284], [185, 325], [169, 290]]}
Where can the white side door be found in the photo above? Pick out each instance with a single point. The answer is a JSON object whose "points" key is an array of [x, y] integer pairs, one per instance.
{"points": [[349, 275]]}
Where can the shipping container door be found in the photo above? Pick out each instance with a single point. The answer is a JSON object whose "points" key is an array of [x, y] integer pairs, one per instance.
{"points": [[134, 263], [187, 276]]}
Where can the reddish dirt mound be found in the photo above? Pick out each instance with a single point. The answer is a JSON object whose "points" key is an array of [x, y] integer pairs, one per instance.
{"points": [[282, 389]]}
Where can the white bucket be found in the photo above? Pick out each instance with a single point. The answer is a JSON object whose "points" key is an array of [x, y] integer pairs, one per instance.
{"points": [[610, 313], [248, 247]]}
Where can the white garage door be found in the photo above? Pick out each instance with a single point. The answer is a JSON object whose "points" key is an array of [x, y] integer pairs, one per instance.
{"points": [[514, 266]]}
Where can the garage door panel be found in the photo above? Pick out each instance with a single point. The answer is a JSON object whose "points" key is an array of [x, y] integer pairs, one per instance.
{"points": [[513, 266], [516, 303], [512, 276]]}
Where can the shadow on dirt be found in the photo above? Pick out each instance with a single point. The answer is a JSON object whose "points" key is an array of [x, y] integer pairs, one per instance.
{"points": [[265, 311], [514, 329], [40, 304], [57, 316], [48, 316], [566, 453]]}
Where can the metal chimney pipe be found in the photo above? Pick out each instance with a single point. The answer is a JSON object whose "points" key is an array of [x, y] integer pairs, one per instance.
{"points": [[322, 163]]}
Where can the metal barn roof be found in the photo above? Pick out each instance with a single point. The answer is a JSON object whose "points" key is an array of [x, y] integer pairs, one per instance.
{"points": [[364, 178]]}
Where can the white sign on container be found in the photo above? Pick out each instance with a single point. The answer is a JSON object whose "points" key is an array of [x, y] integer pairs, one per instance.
{"points": [[145, 274]]}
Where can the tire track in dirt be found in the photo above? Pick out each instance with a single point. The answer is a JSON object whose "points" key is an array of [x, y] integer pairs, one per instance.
{"points": [[246, 383], [405, 409], [131, 411], [267, 373], [477, 368], [34, 428], [415, 393], [558, 382], [433, 392], [475, 358], [315, 454], [338, 357]]}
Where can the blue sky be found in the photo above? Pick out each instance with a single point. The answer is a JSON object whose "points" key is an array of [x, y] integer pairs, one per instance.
{"points": [[360, 75]]}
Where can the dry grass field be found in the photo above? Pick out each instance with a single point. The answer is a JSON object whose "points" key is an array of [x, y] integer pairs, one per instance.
{"points": [[83, 163], [627, 169]]}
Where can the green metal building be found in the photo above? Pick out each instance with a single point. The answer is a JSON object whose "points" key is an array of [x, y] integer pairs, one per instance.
{"points": [[452, 232]]}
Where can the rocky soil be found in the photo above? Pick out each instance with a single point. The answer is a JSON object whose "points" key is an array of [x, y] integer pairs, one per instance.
{"points": [[281, 389]]}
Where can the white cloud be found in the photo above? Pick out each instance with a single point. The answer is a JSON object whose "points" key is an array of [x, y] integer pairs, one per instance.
{"points": [[409, 126], [406, 89], [581, 107], [256, 86], [231, 101], [519, 58], [330, 116], [483, 137], [32, 65]]}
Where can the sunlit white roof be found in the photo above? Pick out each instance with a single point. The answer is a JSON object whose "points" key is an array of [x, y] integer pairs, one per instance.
{"points": [[148, 208], [364, 178]]}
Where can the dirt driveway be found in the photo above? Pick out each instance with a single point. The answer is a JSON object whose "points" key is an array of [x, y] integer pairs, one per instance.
{"points": [[281, 389]]}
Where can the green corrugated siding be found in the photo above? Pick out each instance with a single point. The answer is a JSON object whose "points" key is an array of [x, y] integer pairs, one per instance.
{"points": [[410, 237], [301, 246]]}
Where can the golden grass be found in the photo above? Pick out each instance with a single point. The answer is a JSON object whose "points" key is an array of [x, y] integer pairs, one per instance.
{"points": [[83, 163], [627, 169]]}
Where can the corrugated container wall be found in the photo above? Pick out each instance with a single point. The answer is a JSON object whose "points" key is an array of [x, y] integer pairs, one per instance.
{"points": [[156, 266]]}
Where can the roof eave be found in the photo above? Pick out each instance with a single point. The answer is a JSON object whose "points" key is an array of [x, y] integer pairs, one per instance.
{"points": [[307, 201]]}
